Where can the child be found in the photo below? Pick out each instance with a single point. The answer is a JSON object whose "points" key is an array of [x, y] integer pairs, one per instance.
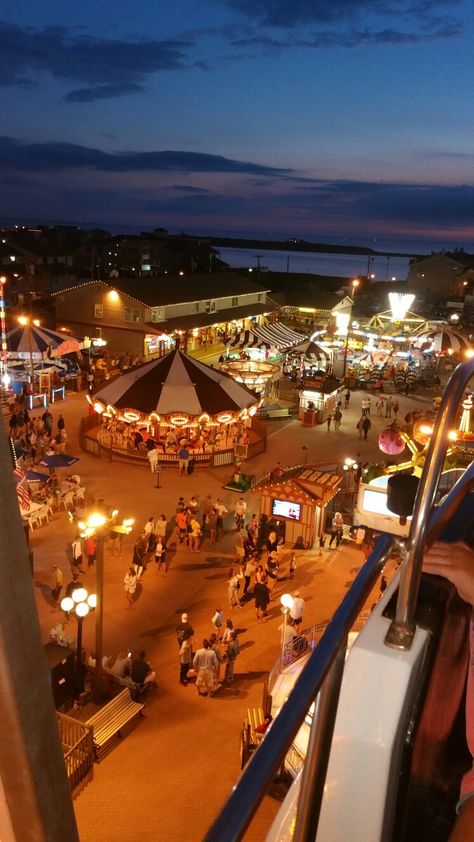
{"points": [[160, 555]]}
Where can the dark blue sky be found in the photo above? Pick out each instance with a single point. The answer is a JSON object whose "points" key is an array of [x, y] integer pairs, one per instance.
{"points": [[330, 118]]}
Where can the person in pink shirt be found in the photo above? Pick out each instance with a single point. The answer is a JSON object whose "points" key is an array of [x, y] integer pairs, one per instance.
{"points": [[455, 562]]}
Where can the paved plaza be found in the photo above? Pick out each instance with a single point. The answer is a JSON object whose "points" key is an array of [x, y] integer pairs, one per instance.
{"points": [[167, 779]]}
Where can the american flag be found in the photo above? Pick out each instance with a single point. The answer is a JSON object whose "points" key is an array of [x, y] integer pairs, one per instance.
{"points": [[22, 492]]}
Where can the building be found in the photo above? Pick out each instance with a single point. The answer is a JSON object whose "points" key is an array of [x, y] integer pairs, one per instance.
{"points": [[141, 316], [441, 276]]}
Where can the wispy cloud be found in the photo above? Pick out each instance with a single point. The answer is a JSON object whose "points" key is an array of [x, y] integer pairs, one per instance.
{"points": [[105, 66], [50, 157], [288, 14]]}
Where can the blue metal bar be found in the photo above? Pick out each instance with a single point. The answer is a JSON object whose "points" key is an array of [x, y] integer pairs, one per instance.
{"points": [[257, 777], [254, 782]]}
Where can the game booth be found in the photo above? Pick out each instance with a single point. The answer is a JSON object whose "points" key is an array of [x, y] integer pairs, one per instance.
{"points": [[295, 502]]}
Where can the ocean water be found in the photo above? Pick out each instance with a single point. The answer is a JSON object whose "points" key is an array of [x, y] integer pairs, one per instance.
{"points": [[339, 265]]}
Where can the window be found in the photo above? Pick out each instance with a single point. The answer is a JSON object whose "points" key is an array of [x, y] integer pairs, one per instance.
{"points": [[158, 314], [98, 311], [131, 315], [196, 307], [235, 301], [210, 306], [261, 296]]}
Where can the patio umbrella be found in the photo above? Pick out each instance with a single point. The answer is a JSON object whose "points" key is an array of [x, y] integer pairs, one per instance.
{"points": [[59, 460], [32, 476], [37, 342], [442, 341]]}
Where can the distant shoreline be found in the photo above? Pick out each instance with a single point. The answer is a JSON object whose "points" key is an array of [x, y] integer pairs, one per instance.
{"points": [[302, 246]]}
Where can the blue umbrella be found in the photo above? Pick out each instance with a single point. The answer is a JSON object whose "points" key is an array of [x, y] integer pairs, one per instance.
{"points": [[33, 476], [59, 460]]}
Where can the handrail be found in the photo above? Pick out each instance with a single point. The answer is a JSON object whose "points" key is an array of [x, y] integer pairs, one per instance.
{"points": [[258, 775], [246, 796], [402, 629]]}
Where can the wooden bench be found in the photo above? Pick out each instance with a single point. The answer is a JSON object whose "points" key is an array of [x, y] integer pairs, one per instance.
{"points": [[249, 740], [108, 722]]}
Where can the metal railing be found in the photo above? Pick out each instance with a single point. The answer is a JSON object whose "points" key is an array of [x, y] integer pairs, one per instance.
{"points": [[324, 670], [78, 747]]}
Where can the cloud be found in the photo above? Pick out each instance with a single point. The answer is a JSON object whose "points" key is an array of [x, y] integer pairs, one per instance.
{"points": [[104, 65], [329, 39], [103, 92], [50, 157], [288, 14]]}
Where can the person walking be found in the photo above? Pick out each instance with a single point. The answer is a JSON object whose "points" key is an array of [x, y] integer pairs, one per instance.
{"points": [[359, 426], [328, 421], [233, 650], [185, 660], [226, 634], [130, 584], [57, 586], [366, 425], [77, 554], [206, 665], [217, 648], [184, 629], [337, 529], [292, 567], [138, 559], [233, 586], [249, 572], [240, 510], [221, 512], [252, 527], [91, 549], [160, 555], [217, 620], [379, 403], [347, 398], [181, 526], [183, 459], [297, 609], [337, 419], [212, 525], [388, 407], [262, 599], [195, 534]]}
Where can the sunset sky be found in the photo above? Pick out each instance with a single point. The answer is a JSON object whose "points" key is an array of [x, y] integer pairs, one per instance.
{"points": [[341, 119]]}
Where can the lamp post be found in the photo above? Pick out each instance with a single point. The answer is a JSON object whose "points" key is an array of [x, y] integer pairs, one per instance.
{"points": [[5, 380], [26, 321], [99, 524], [286, 601], [349, 467], [80, 602]]}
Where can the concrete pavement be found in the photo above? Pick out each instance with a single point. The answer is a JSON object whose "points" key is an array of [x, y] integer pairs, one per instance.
{"points": [[169, 776]]}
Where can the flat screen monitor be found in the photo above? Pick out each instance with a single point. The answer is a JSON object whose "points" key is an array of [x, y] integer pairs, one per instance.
{"points": [[283, 508]]}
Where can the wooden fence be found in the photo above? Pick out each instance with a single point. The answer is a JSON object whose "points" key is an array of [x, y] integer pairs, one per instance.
{"points": [[211, 459]]}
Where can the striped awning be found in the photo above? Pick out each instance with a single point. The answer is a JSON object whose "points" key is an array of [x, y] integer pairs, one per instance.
{"points": [[442, 341], [278, 335], [246, 339], [310, 350]]}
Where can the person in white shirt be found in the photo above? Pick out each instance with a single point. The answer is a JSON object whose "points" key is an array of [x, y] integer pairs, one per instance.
{"points": [[297, 609]]}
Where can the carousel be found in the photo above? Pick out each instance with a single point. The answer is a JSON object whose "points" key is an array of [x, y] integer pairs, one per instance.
{"points": [[172, 402]]}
